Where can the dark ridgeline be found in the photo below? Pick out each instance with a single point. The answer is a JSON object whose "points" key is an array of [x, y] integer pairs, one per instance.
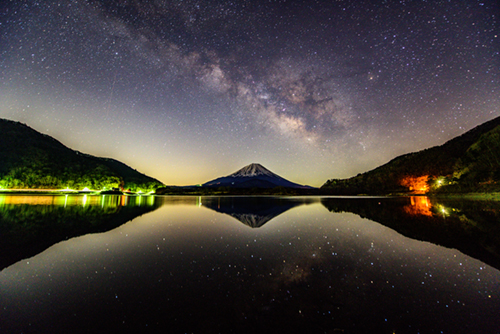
{"points": [[30, 159], [467, 163]]}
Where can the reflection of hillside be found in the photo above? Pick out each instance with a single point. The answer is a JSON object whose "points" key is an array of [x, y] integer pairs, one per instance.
{"points": [[253, 211], [30, 224], [473, 227]]}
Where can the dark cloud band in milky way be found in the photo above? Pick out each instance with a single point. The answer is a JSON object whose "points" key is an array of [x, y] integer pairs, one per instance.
{"points": [[220, 48]]}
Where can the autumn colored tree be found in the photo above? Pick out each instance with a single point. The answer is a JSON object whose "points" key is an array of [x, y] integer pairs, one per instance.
{"points": [[416, 184]]}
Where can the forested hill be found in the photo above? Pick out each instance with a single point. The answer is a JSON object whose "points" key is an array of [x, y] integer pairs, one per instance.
{"points": [[470, 162], [30, 159]]}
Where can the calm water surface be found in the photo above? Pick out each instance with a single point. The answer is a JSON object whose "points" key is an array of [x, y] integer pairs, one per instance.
{"points": [[221, 265]]}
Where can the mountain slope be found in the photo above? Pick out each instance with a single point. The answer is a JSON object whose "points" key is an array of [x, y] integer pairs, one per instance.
{"points": [[437, 167], [30, 159], [253, 176]]}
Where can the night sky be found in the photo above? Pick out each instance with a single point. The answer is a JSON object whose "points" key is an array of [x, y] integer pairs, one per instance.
{"points": [[187, 91]]}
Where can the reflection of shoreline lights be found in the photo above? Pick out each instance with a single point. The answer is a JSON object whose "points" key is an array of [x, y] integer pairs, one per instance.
{"points": [[419, 205], [443, 211], [70, 200]]}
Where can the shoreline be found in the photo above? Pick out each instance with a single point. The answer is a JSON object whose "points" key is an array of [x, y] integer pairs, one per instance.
{"points": [[493, 196]]}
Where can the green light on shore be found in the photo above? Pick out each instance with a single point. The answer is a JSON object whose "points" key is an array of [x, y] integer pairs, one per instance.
{"points": [[441, 181]]}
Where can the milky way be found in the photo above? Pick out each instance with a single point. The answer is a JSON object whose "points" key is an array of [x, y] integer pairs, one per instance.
{"points": [[186, 91]]}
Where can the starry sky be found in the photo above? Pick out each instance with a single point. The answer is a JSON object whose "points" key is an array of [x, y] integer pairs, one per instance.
{"points": [[187, 91]]}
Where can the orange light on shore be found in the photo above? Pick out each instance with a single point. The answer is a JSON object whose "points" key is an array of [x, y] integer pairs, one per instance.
{"points": [[416, 184]]}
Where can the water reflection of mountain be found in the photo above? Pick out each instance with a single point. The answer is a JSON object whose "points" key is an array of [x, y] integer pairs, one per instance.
{"points": [[254, 211], [31, 224], [473, 227]]}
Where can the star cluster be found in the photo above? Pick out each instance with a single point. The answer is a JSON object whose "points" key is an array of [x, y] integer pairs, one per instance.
{"points": [[186, 91]]}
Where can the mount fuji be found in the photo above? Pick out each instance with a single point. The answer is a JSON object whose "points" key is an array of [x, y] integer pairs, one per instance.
{"points": [[253, 176]]}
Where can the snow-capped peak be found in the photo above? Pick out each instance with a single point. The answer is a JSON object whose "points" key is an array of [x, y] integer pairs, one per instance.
{"points": [[253, 170]]}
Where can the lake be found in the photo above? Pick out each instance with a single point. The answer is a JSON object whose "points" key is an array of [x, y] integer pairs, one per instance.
{"points": [[89, 264]]}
